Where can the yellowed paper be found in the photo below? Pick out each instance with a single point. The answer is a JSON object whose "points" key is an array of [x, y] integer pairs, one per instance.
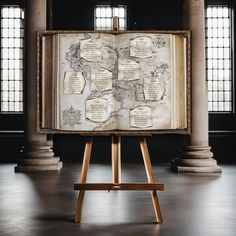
{"points": [[97, 109], [73, 82], [141, 117], [91, 49], [128, 70], [141, 47], [109, 39], [153, 89], [101, 79]]}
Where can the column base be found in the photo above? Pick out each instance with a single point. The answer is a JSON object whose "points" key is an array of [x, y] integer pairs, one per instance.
{"points": [[191, 169], [28, 165], [38, 158], [195, 159]]}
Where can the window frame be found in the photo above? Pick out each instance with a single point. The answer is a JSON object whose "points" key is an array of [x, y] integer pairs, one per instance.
{"points": [[225, 121], [12, 121], [109, 4], [218, 68]]}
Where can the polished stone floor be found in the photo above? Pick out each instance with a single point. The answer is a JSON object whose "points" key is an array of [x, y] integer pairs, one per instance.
{"points": [[44, 203]]}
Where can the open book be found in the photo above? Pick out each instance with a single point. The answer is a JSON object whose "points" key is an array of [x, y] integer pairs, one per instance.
{"points": [[97, 81]]}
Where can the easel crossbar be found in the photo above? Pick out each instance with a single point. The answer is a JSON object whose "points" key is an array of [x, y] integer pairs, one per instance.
{"points": [[122, 186]]}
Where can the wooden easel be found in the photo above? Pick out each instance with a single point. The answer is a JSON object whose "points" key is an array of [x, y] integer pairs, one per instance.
{"points": [[116, 169], [116, 176]]}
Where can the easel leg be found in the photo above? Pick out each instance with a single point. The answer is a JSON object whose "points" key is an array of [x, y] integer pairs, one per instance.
{"points": [[148, 168], [83, 177], [116, 159]]}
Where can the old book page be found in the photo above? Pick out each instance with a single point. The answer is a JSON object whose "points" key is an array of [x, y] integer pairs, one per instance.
{"points": [[86, 67], [143, 89]]}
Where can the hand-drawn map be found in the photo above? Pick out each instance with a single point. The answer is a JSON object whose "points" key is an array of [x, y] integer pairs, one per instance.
{"points": [[114, 82]]}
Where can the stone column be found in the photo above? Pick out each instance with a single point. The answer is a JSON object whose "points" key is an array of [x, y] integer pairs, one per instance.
{"points": [[196, 156], [37, 155]]}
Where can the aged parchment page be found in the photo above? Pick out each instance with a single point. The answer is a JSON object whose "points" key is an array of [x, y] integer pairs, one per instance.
{"points": [[150, 53], [86, 100]]}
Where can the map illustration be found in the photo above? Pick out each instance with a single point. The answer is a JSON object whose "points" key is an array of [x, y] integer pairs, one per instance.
{"points": [[114, 82]]}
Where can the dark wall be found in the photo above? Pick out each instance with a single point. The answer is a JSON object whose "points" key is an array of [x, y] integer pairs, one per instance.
{"points": [[148, 14], [162, 148], [10, 146]]}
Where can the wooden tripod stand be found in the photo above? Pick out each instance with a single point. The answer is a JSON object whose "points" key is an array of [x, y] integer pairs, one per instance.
{"points": [[116, 176]]}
